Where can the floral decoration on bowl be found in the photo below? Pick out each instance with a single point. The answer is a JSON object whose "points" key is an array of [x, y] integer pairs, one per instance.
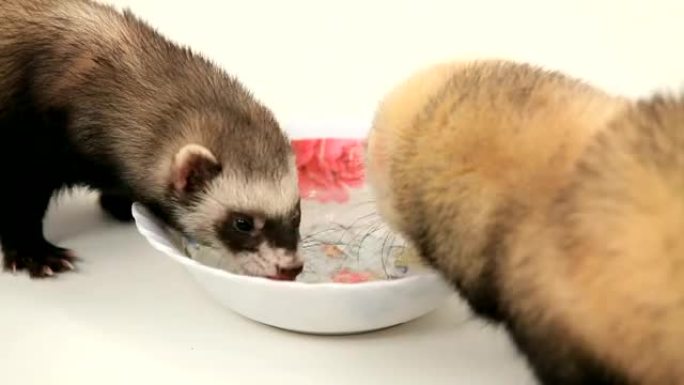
{"points": [[328, 168]]}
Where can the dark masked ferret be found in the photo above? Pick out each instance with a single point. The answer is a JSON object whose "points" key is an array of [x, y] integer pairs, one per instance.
{"points": [[90, 96], [463, 158]]}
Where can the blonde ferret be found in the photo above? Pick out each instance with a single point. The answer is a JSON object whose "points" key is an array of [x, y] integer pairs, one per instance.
{"points": [[552, 206]]}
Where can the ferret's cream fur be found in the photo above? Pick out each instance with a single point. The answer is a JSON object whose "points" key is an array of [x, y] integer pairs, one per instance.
{"points": [[554, 207]]}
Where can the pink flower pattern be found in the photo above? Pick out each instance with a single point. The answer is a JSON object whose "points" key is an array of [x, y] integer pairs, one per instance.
{"points": [[327, 168], [349, 276]]}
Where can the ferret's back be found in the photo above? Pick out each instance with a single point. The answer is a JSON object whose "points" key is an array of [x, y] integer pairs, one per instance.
{"points": [[36, 18], [494, 133], [501, 114], [610, 251], [33, 30], [482, 143]]}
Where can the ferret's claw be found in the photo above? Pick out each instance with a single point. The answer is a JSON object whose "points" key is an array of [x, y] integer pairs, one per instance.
{"points": [[48, 271], [40, 262], [68, 264]]}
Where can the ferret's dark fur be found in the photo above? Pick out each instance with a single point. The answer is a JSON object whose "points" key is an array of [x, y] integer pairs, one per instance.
{"points": [[93, 97], [553, 207]]}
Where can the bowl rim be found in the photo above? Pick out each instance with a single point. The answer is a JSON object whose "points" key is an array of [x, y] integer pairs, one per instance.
{"points": [[139, 211]]}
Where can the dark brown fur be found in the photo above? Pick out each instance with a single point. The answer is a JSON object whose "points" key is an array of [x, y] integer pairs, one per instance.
{"points": [[89, 96]]}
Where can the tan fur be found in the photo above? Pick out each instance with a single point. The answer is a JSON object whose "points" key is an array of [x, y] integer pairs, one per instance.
{"points": [[475, 139], [561, 201], [606, 262], [396, 111], [464, 160]]}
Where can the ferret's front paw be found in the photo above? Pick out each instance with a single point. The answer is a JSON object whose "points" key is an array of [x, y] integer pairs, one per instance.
{"points": [[40, 262]]}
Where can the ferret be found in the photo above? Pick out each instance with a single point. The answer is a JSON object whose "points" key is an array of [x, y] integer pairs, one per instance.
{"points": [[600, 270], [91, 96], [553, 207]]}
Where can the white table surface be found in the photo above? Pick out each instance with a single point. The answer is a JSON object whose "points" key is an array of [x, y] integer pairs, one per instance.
{"points": [[131, 316]]}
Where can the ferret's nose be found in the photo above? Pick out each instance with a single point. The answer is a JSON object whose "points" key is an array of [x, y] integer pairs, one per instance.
{"points": [[288, 273]]}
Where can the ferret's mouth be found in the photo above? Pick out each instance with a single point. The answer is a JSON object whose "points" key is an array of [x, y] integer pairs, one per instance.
{"points": [[267, 262], [287, 274]]}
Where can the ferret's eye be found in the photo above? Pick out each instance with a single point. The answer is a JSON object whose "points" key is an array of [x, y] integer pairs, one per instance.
{"points": [[243, 224]]}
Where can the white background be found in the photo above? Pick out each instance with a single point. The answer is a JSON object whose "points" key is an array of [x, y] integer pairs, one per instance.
{"points": [[131, 316], [322, 65]]}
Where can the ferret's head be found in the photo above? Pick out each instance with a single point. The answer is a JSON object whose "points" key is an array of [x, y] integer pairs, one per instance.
{"points": [[242, 200]]}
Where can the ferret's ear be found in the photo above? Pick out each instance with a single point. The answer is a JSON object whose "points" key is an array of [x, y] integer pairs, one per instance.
{"points": [[193, 166]]}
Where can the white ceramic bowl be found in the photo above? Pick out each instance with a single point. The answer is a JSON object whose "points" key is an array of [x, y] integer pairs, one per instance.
{"points": [[315, 308]]}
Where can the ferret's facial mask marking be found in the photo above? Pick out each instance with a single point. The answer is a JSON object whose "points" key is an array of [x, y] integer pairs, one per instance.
{"points": [[263, 246], [254, 220]]}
